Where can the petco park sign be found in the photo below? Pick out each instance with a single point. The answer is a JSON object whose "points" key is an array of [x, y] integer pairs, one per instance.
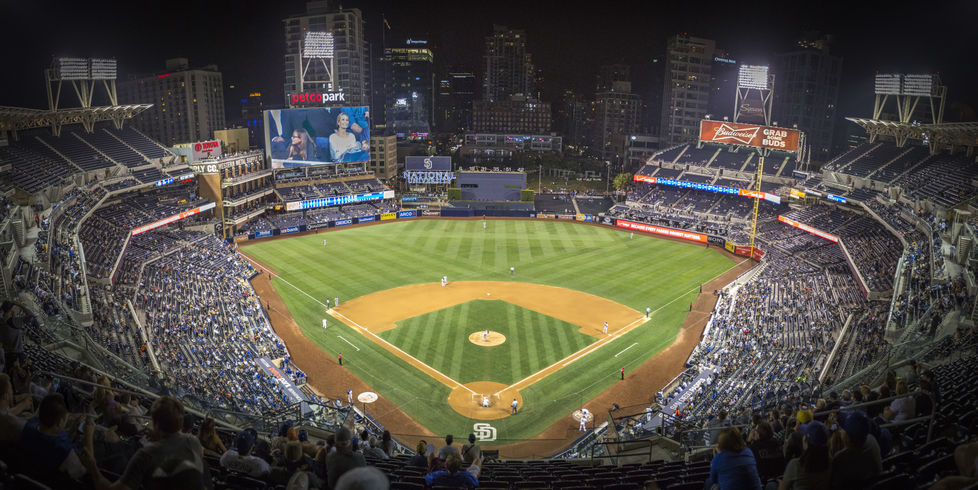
{"points": [[749, 135], [317, 98]]}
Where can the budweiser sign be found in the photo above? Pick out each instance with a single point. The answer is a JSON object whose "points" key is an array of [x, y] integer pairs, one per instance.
{"points": [[749, 135], [730, 134]]}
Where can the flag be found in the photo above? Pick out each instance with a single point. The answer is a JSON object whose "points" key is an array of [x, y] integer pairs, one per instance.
{"points": [[387, 24]]}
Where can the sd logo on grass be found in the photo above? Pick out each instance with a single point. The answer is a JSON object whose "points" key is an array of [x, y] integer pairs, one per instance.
{"points": [[484, 431]]}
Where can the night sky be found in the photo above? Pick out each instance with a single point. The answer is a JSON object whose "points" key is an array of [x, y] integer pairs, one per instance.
{"points": [[245, 38]]}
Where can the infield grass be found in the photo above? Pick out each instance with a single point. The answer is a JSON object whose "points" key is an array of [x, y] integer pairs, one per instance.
{"points": [[638, 272]]}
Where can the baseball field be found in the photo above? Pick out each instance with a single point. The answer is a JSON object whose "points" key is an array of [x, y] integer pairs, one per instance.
{"points": [[535, 333]]}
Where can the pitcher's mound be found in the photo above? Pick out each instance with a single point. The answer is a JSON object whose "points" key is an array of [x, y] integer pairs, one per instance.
{"points": [[469, 404], [492, 339]]}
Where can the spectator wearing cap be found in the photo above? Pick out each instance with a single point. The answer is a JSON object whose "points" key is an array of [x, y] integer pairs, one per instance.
{"points": [[810, 471], [240, 459], [170, 453], [859, 463], [344, 458], [471, 451], [793, 442], [448, 448], [733, 466]]}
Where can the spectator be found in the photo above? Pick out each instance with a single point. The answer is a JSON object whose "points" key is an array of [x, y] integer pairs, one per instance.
{"points": [[859, 463], [44, 444], [471, 451], [366, 478], [767, 451], [420, 459], [171, 456], [447, 449], [902, 408], [453, 475], [387, 443], [240, 459], [344, 458], [373, 450], [11, 424], [793, 442], [733, 466], [811, 470], [209, 440]]}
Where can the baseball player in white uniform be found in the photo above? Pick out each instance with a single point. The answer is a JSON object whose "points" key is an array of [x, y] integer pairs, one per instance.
{"points": [[605, 329], [485, 336], [485, 401], [324, 324], [349, 396], [584, 415], [324, 242]]}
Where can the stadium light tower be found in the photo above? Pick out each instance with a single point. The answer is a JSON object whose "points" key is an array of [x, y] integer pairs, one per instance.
{"points": [[317, 45], [754, 80], [83, 73]]}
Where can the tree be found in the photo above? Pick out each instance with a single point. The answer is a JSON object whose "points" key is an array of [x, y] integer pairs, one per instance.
{"points": [[622, 181]]}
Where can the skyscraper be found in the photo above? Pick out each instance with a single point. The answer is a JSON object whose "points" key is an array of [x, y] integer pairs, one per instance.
{"points": [[807, 92], [617, 112], [509, 67], [351, 52], [686, 88], [456, 93], [188, 104], [409, 91]]}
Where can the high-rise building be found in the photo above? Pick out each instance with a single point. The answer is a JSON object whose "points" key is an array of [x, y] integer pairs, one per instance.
{"points": [[456, 93], [408, 80], [571, 113], [188, 104], [509, 67], [517, 115], [806, 93], [383, 156], [609, 74], [351, 53], [723, 85], [617, 112], [686, 88]]}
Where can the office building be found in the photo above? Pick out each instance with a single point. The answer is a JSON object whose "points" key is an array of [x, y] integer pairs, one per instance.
{"points": [[517, 114], [807, 92], [188, 104], [686, 88], [617, 112], [456, 93], [509, 67], [409, 90]]}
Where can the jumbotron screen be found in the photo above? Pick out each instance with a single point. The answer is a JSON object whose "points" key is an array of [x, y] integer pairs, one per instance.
{"points": [[316, 136]]}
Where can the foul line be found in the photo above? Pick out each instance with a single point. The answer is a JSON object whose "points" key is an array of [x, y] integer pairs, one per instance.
{"points": [[348, 342], [626, 348], [387, 345], [602, 342]]}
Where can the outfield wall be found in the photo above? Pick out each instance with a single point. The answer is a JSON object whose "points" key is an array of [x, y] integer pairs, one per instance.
{"points": [[686, 235]]}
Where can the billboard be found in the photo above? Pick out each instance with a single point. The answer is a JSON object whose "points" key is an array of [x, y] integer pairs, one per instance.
{"points": [[314, 136], [749, 135], [659, 230], [437, 164], [753, 76], [767, 196], [814, 231], [171, 219], [206, 149], [339, 200]]}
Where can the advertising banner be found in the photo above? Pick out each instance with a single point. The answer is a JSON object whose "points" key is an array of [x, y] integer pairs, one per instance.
{"points": [[409, 198], [659, 230], [742, 250], [607, 220], [317, 226], [814, 231], [171, 219], [644, 178], [730, 246], [289, 229], [263, 234], [314, 136], [430, 212], [343, 222], [716, 240], [546, 216], [710, 188], [366, 219], [283, 381], [757, 254], [407, 214], [438, 164], [206, 149], [796, 194], [566, 216], [387, 216], [749, 135], [833, 197], [337, 200]]}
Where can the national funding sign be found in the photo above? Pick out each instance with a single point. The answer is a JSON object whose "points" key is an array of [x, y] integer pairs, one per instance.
{"points": [[749, 135]]}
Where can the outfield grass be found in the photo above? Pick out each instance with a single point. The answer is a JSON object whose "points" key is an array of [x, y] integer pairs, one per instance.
{"points": [[640, 272], [533, 341]]}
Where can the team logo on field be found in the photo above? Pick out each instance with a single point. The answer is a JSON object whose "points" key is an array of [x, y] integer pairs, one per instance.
{"points": [[484, 432]]}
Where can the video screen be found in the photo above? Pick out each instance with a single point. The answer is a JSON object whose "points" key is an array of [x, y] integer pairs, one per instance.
{"points": [[314, 136]]}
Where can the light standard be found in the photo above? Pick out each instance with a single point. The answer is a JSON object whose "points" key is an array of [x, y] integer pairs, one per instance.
{"points": [[607, 179]]}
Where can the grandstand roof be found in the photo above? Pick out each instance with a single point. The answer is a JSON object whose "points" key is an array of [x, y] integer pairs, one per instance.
{"points": [[958, 134], [19, 118]]}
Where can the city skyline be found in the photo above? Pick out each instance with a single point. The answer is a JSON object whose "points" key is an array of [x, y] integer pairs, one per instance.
{"points": [[245, 39]]}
